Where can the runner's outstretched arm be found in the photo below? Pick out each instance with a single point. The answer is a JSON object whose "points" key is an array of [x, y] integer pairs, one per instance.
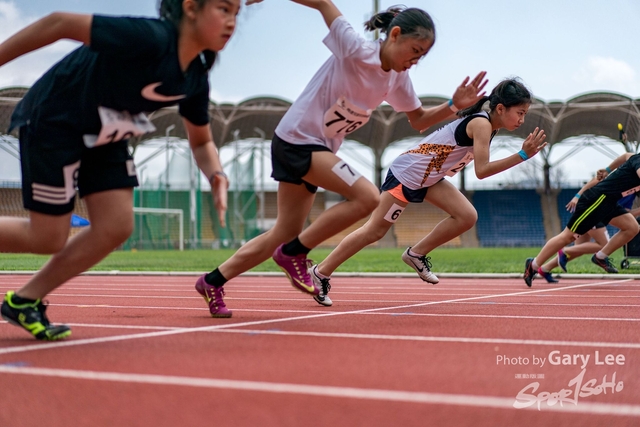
{"points": [[45, 31], [328, 10]]}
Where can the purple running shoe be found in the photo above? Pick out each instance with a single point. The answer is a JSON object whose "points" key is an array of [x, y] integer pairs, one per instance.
{"points": [[214, 296], [297, 270]]}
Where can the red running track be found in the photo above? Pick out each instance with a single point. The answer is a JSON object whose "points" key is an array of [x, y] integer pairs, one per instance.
{"points": [[390, 352]]}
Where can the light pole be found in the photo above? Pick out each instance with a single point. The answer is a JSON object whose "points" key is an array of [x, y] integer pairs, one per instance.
{"points": [[376, 8], [141, 204], [166, 177], [263, 138]]}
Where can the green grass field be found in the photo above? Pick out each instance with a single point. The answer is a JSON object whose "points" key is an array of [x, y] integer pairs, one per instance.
{"points": [[467, 260]]}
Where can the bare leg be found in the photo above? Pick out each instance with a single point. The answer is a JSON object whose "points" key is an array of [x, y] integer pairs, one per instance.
{"points": [[462, 216], [372, 231], [362, 198], [38, 234], [628, 229], [583, 245], [554, 245], [294, 204], [599, 234], [111, 216]]}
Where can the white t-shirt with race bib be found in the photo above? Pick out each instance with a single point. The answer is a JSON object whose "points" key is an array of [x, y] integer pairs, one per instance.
{"points": [[341, 96], [434, 157]]}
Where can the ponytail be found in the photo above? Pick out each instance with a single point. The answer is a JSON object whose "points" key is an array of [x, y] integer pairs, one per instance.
{"points": [[509, 92], [413, 22], [382, 20], [475, 108], [171, 10]]}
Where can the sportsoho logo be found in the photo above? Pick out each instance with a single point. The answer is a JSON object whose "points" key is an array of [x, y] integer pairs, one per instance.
{"points": [[580, 386]]}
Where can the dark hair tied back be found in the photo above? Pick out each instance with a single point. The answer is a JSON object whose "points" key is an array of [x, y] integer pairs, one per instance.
{"points": [[509, 92], [413, 22], [171, 10]]}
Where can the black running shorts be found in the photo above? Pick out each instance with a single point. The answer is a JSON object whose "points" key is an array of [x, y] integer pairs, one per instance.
{"points": [[55, 162], [290, 162], [593, 208]]}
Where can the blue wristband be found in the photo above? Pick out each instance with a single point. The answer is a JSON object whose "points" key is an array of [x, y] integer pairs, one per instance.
{"points": [[451, 106], [577, 196], [608, 169], [522, 154]]}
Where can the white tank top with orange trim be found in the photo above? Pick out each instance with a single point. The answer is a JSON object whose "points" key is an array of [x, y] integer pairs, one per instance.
{"points": [[436, 156]]}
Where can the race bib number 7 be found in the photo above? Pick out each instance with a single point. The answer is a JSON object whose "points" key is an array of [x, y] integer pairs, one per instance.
{"points": [[118, 126], [343, 118]]}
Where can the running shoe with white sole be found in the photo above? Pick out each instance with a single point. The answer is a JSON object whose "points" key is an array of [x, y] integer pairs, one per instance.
{"points": [[422, 266], [323, 285]]}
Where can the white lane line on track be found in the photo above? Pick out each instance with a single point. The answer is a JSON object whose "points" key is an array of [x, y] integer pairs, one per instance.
{"points": [[544, 304], [462, 340], [344, 287], [49, 346], [528, 304], [325, 391], [465, 315], [302, 298], [506, 316], [390, 290], [416, 338]]}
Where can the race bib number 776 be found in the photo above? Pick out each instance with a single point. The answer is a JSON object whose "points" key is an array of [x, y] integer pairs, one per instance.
{"points": [[343, 118]]}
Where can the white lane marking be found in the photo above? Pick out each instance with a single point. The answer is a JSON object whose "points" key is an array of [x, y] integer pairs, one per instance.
{"points": [[320, 390], [417, 338], [459, 340], [558, 304], [411, 338], [302, 298], [48, 346], [320, 310], [506, 316]]}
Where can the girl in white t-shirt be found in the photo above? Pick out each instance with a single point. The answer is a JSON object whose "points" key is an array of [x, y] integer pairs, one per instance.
{"points": [[356, 79], [418, 174]]}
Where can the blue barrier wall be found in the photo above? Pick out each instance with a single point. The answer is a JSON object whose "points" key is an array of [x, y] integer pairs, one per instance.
{"points": [[509, 218]]}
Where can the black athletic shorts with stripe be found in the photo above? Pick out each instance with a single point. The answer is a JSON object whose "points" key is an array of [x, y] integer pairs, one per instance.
{"points": [[55, 162], [592, 208]]}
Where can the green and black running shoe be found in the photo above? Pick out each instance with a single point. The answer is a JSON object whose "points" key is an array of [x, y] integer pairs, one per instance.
{"points": [[32, 317]]}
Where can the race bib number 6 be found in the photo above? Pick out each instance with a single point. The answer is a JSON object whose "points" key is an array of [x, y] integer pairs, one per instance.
{"points": [[118, 126], [343, 118]]}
